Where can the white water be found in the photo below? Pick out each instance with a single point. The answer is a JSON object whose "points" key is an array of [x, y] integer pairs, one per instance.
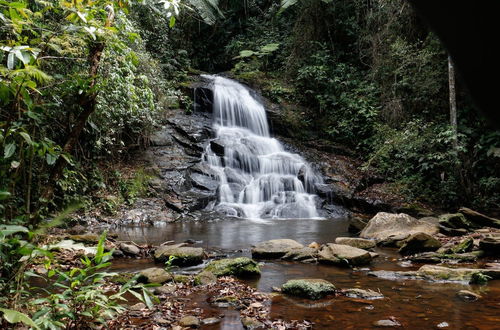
{"points": [[258, 178]]}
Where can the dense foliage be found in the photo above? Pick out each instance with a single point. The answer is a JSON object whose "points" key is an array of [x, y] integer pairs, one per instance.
{"points": [[372, 76]]}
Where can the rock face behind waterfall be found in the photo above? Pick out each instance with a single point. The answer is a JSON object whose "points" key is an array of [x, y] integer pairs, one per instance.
{"points": [[257, 177]]}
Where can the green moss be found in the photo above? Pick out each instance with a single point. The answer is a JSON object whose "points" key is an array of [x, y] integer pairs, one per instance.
{"points": [[464, 246], [308, 288], [241, 267], [181, 279], [122, 278]]}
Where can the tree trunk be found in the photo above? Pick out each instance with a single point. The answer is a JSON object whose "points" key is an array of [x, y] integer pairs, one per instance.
{"points": [[453, 102], [88, 103]]}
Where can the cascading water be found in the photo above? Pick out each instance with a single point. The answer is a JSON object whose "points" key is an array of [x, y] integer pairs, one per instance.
{"points": [[258, 178]]}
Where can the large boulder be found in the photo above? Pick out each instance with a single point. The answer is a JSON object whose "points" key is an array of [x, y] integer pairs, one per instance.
{"points": [[308, 288], [419, 242], [240, 267], [343, 255], [478, 218], [384, 225], [360, 243], [275, 248], [184, 256], [154, 275]]}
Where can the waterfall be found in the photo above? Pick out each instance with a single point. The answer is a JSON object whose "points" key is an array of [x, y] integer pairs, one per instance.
{"points": [[258, 178]]}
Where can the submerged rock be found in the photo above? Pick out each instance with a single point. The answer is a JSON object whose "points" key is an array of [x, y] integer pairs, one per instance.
{"points": [[362, 294], [308, 288], [184, 256], [274, 249], [467, 295], [419, 242], [343, 255], [154, 275], [384, 225], [386, 324], [359, 243], [240, 267]]}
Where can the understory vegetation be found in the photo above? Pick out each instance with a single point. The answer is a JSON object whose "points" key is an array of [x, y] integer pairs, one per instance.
{"points": [[372, 76]]}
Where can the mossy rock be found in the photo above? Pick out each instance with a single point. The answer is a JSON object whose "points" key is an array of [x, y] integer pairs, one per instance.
{"points": [[308, 288], [464, 246], [184, 256], [455, 221], [205, 278], [181, 278], [239, 267]]}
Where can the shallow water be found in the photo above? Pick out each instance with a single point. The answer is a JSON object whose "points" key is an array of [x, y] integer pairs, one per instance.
{"points": [[415, 304]]}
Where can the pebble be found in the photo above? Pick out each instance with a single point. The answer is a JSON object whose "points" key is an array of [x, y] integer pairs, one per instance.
{"points": [[443, 325], [386, 323]]}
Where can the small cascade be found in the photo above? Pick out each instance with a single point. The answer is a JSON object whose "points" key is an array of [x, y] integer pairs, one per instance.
{"points": [[258, 178]]}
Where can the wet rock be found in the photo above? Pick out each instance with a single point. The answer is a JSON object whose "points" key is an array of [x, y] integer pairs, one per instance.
{"points": [[250, 323], [478, 218], [362, 294], [154, 275], [490, 245], [456, 221], [178, 278], [240, 267], [436, 257], [204, 182], [386, 324], [384, 225], [343, 255], [165, 289], [440, 273], [467, 295], [205, 278], [130, 249], [274, 249], [308, 288], [419, 242], [138, 307], [393, 275], [218, 147], [189, 322], [305, 254], [210, 321], [184, 256], [161, 138], [356, 224], [395, 240], [359, 243]]}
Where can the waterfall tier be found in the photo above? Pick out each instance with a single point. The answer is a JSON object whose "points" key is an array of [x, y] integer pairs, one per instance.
{"points": [[258, 178]]}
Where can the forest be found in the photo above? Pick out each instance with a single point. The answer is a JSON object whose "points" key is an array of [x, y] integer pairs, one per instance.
{"points": [[324, 121]]}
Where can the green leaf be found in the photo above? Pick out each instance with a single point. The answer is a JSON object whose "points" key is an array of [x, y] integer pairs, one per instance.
{"points": [[4, 195], [7, 230], [9, 150], [13, 316], [51, 158], [11, 61], [26, 137], [246, 53], [172, 21]]}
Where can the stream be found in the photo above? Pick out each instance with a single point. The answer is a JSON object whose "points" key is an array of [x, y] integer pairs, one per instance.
{"points": [[415, 304]]}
